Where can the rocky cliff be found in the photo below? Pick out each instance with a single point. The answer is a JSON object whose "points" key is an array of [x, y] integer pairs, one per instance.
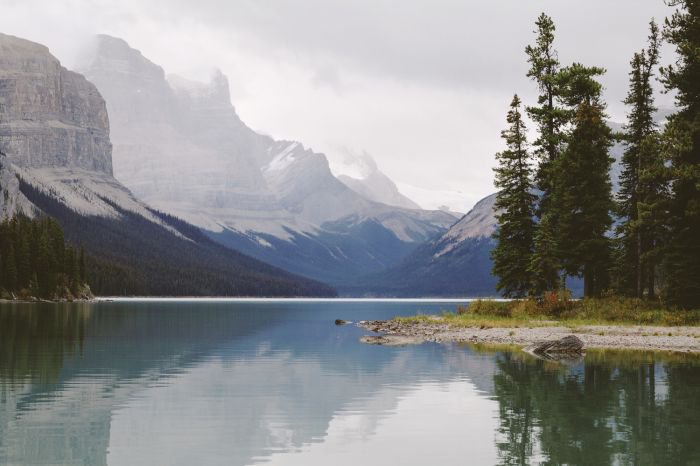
{"points": [[179, 145], [49, 116]]}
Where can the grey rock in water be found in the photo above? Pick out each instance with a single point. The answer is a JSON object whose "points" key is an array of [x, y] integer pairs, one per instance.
{"points": [[570, 344], [342, 322]]}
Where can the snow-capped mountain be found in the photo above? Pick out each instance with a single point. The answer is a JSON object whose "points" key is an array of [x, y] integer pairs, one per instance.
{"points": [[181, 147], [57, 160]]}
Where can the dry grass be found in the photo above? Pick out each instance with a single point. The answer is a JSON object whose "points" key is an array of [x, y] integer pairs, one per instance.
{"points": [[556, 310]]}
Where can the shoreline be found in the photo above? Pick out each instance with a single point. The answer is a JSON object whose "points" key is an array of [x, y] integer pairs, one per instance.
{"points": [[46, 301], [635, 337]]}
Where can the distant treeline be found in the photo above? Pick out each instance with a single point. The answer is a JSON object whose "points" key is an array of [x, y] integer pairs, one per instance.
{"points": [[35, 260], [557, 214]]}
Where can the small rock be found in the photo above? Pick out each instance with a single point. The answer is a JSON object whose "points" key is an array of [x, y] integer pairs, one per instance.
{"points": [[342, 322]]}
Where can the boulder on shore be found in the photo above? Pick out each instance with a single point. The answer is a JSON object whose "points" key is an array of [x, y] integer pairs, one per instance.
{"points": [[568, 347]]}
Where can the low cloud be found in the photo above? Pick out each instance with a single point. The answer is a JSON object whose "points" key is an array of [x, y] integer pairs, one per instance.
{"points": [[421, 85]]}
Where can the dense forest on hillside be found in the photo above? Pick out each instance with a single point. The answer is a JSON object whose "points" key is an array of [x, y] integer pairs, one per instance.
{"points": [[643, 242], [35, 261], [132, 256]]}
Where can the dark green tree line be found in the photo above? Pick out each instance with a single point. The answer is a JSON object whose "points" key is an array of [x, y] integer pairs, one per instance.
{"points": [[572, 175], [655, 246], [35, 260]]}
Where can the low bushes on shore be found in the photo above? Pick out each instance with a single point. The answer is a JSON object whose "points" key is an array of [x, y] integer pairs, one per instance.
{"points": [[560, 309], [610, 309]]}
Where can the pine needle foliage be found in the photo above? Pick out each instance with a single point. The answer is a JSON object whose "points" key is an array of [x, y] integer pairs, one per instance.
{"points": [[515, 204]]}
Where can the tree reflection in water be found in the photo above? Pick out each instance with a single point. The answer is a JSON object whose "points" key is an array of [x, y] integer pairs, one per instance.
{"points": [[36, 339], [613, 408]]}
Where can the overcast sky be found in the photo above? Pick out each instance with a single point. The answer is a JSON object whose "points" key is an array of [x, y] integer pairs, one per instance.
{"points": [[420, 85]]}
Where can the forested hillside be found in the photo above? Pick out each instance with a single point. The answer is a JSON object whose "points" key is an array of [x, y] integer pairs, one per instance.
{"points": [[131, 255], [35, 261]]}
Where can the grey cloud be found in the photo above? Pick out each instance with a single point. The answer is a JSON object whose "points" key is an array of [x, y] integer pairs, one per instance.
{"points": [[464, 43]]}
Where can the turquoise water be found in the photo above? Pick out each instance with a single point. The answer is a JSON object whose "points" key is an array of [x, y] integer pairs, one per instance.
{"points": [[237, 383]]}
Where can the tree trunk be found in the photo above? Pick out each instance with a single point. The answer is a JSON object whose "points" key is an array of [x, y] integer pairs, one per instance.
{"points": [[640, 285], [588, 283]]}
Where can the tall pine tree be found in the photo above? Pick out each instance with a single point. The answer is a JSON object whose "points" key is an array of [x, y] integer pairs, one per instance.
{"points": [[584, 193], [682, 263], [515, 206], [550, 118], [643, 189]]}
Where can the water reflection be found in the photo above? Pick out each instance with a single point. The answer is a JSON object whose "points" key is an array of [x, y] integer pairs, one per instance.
{"points": [[243, 383], [34, 343], [615, 408]]}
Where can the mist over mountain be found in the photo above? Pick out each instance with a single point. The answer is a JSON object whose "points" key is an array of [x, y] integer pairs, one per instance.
{"points": [[180, 146]]}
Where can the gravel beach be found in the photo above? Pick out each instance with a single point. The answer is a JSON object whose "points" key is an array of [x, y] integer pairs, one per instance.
{"points": [[678, 339]]}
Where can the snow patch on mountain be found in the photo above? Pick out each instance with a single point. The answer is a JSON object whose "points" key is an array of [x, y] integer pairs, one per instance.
{"points": [[282, 160]]}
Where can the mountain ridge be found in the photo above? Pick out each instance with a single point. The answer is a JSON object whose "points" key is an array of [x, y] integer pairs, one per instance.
{"points": [[181, 147]]}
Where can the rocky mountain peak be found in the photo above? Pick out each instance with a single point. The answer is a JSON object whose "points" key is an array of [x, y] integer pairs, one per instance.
{"points": [[216, 89], [115, 56], [49, 117]]}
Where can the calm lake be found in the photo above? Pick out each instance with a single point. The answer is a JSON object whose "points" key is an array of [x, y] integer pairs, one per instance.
{"points": [[249, 382]]}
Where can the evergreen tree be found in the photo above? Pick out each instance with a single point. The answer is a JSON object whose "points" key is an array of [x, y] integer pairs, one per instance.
{"points": [[550, 118], [23, 258], [642, 195], [9, 269], [71, 268], [46, 283], [515, 204], [681, 264], [544, 264], [81, 266], [584, 194]]}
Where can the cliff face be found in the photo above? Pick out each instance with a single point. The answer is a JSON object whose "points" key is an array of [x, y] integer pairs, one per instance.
{"points": [[179, 145], [49, 116]]}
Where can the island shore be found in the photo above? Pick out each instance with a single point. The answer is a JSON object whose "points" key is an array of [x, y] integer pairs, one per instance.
{"points": [[639, 337]]}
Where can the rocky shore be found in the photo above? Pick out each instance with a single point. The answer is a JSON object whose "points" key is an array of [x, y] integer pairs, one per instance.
{"points": [[677, 339]]}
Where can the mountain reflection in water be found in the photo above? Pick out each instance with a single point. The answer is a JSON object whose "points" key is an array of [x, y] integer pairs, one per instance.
{"points": [[197, 382]]}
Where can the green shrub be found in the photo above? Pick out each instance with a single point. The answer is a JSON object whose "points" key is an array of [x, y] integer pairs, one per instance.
{"points": [[560, 306], [488, 307]]}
